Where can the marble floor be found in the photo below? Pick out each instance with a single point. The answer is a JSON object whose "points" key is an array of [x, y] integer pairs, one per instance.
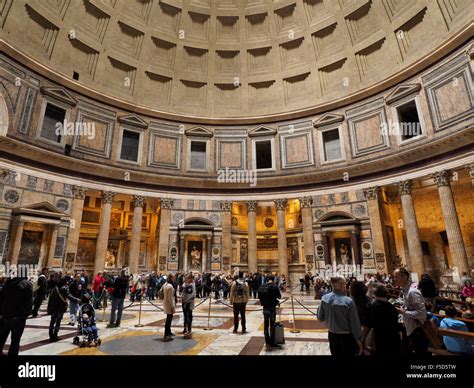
{"points": [[142, 333]]}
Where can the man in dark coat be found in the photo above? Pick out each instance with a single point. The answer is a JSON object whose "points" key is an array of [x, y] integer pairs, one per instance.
{"points": [[40, 292], [57, 306], [119, 285], [16, 301]]}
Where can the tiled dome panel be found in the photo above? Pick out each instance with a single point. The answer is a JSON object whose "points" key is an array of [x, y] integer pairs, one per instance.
{"points": [[285, 55]]}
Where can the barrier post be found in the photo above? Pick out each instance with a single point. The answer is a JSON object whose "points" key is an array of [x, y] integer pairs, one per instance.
{"points": [[209, 316], [140, 312], [294, 322], [103, 309]]}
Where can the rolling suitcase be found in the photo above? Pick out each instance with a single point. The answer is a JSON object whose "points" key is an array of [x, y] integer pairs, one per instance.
{"points": [[279, 330]]}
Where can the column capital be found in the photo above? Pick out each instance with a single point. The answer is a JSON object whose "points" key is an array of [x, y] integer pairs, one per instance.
{"points": [[138, 200], [372, 192], [405, 187], [18, 222], [225, 206], [108, 196], [306, 201], [470, 170], [251, 206], [442, 178], [280, 203], [166, 203], [79, 192]]}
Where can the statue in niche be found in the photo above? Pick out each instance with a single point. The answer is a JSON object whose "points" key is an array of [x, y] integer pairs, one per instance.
{"points": [[243, 250], [344, 253], [195, 255]]}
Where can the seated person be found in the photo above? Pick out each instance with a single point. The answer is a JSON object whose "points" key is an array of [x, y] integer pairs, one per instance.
{"points": [[468, 290], [454, 344], [469, 313], [88, 319], [430, 313]]}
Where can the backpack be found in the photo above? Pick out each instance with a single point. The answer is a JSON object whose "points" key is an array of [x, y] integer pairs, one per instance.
{"points": [[240, 289]]}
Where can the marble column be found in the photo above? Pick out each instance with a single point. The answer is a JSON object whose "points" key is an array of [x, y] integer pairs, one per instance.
{"points": [[166, 205], [252, 236], [374, 210], [208, 253], [226, 208], [182, 257], [307, 217], [76, 219], [451, 221], [415, 262], [104, 227], [53, 232], [280, 205], [134, 254], [355, 241], [327, 252], [15, 244]]}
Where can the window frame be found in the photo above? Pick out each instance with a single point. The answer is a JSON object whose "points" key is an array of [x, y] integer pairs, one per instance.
{"points": [[395, 119], [39, 128], [208, 145], [271, 139], [140, 145], [322, 154]]}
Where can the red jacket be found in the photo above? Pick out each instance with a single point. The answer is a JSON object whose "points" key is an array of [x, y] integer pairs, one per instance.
{"points": [[98, 284]]}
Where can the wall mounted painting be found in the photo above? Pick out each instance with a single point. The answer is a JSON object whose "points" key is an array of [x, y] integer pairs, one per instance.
{"points": [[343, 251], [86, 251], [30, 247]]}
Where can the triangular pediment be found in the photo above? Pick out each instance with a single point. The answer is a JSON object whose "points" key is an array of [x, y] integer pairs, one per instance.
{"points": [[40, 209], [262, 131], [199, 132], [401, 91], [133, 120], [59, 94], [327, 119]]}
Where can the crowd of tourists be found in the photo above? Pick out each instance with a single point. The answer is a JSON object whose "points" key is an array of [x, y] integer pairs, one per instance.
{"points": [[384, 314]]}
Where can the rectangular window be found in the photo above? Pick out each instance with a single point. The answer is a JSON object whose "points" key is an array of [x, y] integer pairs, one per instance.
{"points": [[408, 120], [332, 145], [130, 144], [263, 151], [52, 116], [198, 155]]}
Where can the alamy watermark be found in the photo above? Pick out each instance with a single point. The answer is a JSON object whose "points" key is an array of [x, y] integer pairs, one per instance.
{"points": [[73, 128], [8, 270], [230, 175], [394, 128]]}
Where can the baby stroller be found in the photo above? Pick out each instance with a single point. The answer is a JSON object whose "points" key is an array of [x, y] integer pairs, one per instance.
{"points": [[87, 334]]}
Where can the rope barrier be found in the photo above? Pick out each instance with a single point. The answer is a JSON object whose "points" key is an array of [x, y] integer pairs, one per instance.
{"points": [[302, 305]]}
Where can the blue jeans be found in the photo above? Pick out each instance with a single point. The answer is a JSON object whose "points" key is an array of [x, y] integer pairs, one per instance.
{"points": [[117, 304], [73, 307]]}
